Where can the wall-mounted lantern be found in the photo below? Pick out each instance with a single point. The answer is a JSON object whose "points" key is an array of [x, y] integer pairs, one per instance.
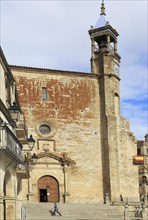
{"points": [[31, 142], [14, 111], [34, 158]]}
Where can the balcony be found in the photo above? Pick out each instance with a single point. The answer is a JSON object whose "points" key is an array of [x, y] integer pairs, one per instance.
{"points": [[22, 170], [10, 145], [21, 130]]}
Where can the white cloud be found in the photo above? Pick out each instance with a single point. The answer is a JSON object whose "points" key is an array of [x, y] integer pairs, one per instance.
{"points": [[137, 113], [54, 34], [134, 82]]}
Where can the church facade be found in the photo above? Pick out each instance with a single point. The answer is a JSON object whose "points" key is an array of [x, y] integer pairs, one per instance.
{"points": [[84, 148]]}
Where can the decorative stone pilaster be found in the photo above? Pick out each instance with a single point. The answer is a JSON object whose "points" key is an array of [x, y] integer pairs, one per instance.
{"points": [[18, 209], [67, 197], [66, 193], [30, 195]]}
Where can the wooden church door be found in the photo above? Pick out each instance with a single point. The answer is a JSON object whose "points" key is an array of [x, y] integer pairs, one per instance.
{"points": [[48, 188]]}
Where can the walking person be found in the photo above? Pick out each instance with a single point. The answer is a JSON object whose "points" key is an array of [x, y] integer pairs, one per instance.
{"points": [[56, 209]]}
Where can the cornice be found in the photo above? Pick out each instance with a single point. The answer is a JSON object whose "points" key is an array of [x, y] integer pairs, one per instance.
{"points": [[52, 71]]}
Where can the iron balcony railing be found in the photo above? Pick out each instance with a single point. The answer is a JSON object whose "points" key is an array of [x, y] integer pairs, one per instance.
{"points": [[10, 145]]}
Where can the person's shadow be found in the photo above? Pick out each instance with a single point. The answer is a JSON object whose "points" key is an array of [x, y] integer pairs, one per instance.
{"points": [[52, 213]]}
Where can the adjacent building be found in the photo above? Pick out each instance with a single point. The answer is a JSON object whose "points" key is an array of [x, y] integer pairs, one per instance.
{"points": [[142, 162], [13, 134]]}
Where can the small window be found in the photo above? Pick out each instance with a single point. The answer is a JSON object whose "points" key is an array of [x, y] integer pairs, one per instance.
{"points": [[44, 93], [138, 151]]}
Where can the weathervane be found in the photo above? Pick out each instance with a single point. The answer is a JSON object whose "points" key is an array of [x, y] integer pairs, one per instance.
{"points": [[102, 8]]}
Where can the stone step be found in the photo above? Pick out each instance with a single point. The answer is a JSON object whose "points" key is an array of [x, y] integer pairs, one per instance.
{"points": [[72, 207], [75, 218], [42, 211], [99, 213]]}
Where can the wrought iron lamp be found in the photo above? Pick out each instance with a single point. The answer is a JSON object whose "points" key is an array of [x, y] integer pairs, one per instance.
{"points": [[14, 112], [31, 142], [34, 158]]}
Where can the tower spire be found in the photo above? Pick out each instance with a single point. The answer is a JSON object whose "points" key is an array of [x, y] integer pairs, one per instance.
{"points": [[102, 8]]}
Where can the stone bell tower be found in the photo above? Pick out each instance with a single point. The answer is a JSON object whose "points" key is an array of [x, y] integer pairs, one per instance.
{"points": [[104, 47], [105, 62]]}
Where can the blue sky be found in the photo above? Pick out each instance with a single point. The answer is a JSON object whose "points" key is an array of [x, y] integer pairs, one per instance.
{"points": [[54, 34]]}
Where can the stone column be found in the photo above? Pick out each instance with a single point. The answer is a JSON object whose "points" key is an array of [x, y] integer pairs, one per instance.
{"points": [[115, 47], [92, 46], [10, 208], [92, 54], [19, 201], [1, 208], [108, 42]]}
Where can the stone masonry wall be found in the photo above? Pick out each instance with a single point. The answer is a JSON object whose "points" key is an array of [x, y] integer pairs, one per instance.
{"points": [[72, 109], [86, 126]]}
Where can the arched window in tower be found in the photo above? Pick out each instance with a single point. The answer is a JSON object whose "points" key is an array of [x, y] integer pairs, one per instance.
{"points": [[117, 105], [111, 47], [96, 46]]}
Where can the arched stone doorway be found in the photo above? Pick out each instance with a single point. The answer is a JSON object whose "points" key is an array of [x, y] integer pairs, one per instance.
{"points": [[48, 188]]}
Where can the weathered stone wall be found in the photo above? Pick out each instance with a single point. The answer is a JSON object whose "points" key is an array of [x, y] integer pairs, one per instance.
{"points": [[117, 141], [72, 109], [83, 111]]}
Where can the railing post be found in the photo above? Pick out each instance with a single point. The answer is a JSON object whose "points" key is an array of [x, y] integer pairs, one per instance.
{"points": [[126, 212], [144, 212]]}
